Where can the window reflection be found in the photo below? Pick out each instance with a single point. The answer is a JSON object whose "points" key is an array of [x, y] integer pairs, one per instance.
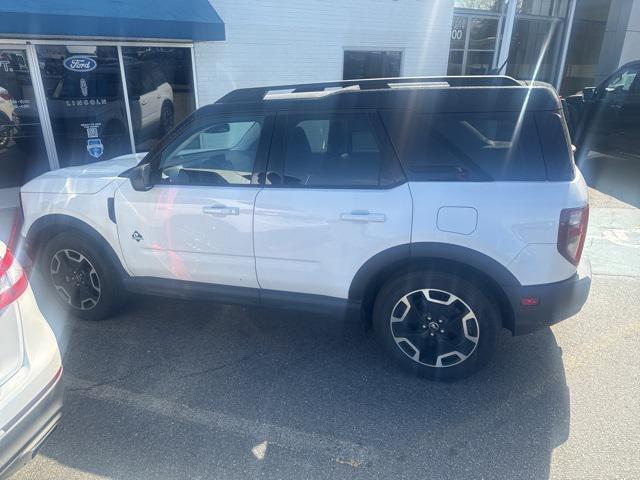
{"points": [[22, 150], [587, 37], [85, 100], [493, 5], [160, 89], [543, 7], [371, 64], [483, 34], [534, 49], [473, 44]]}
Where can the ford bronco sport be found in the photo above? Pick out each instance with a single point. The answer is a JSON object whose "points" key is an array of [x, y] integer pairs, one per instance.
{"points": [[440, 210]]}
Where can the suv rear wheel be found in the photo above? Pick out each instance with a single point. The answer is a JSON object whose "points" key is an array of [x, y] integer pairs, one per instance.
{"points": [[80, 276], [438, 325]]}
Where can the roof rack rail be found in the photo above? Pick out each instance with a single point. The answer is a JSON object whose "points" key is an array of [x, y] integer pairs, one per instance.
{"points": [[316, 90]]}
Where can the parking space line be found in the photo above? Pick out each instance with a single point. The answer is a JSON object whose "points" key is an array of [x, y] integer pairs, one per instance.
{"points": [[288, 438]]}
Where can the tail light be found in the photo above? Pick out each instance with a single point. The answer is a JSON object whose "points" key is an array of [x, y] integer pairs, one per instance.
{"points": [[572, 233], [13, 279]]}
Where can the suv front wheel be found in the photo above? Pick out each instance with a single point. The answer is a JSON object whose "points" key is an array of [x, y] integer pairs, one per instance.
{"points": [[438, 325], [80, 276]]}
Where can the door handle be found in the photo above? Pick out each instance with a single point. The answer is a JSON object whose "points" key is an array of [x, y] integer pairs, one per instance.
{"points": [[220, 210], [363, 216]]}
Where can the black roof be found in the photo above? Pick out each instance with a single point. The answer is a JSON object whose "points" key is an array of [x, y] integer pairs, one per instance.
{"points": [[423, 94]]}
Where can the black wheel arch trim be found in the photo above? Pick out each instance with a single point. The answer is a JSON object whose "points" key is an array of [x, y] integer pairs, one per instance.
{"points": [[59, 223], [374, 272]]}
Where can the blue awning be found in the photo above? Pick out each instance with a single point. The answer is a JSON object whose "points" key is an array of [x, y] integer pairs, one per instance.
{"points": [[134, 19]]}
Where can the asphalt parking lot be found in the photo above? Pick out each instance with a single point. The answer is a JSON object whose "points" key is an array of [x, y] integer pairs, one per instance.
{"points": [[185, 390]]}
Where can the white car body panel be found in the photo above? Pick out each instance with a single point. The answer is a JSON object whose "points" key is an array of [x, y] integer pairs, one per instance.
{"points": [[33, 359], [6, 106], [180, 240], [11, 346], [84, 179], [151, 104], [40, 363], [89, 209], [304, 241], [57, 193], [517, 222]]}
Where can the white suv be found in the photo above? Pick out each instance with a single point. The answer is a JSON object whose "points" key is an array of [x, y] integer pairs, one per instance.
{"points": [[440, 209]]}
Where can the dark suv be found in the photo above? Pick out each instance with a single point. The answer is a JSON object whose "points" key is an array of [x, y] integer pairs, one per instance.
{"points": [[606, 118]]}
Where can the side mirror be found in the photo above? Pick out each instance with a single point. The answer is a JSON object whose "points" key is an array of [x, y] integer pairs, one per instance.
{"points": [[140, 178], [589, 93], [219, 128]]}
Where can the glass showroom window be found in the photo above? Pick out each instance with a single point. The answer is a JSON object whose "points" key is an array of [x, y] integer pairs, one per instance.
{"points": [[491, 5], [458, 43], [22, 151], [160, 90], [473, 44], [547, 8], [85, 100], [587, 37], [535, 48], [536, 41], [371, 64]]}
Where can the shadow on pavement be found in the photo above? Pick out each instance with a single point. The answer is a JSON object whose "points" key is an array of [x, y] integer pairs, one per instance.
{"points": [[175, 389], [618, 177]]}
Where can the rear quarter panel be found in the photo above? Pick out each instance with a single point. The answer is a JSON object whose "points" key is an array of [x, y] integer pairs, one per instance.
{"points": [[516, 225]]}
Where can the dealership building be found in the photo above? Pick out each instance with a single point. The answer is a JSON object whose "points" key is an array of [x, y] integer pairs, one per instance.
{"points": [[86, 81]]}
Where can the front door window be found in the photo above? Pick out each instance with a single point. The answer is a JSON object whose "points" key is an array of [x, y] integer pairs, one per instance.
{"points": [[218, 153], [622, 81], [85, 99]]}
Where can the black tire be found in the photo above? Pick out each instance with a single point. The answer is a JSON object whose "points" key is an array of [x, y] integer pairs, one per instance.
{"points": [[166, 118], [81, 269], [6, 132], [436, 329]]}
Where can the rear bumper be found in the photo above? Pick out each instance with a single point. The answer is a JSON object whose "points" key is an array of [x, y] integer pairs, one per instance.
{"points": [[27, 432], [556, 301]]}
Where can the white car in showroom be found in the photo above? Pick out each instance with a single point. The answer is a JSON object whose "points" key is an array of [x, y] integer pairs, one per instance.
{"points": [[30, 370]]}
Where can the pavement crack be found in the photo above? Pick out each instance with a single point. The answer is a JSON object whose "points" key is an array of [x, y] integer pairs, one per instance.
{"points": [[112, 380], [220, 367]]}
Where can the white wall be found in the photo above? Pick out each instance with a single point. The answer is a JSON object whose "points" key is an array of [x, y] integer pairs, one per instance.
{"points": [[277, 41], [631, 45]]}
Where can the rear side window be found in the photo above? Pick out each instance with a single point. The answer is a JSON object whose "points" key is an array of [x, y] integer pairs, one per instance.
{"points": [[488, 146], [336, 150], [556, 146]]}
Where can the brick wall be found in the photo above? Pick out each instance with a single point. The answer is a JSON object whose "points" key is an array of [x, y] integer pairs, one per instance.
{"points": [[278, 41]]}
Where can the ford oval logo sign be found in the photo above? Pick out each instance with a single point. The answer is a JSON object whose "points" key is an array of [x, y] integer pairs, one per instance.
{"points": [[80, 64]]}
